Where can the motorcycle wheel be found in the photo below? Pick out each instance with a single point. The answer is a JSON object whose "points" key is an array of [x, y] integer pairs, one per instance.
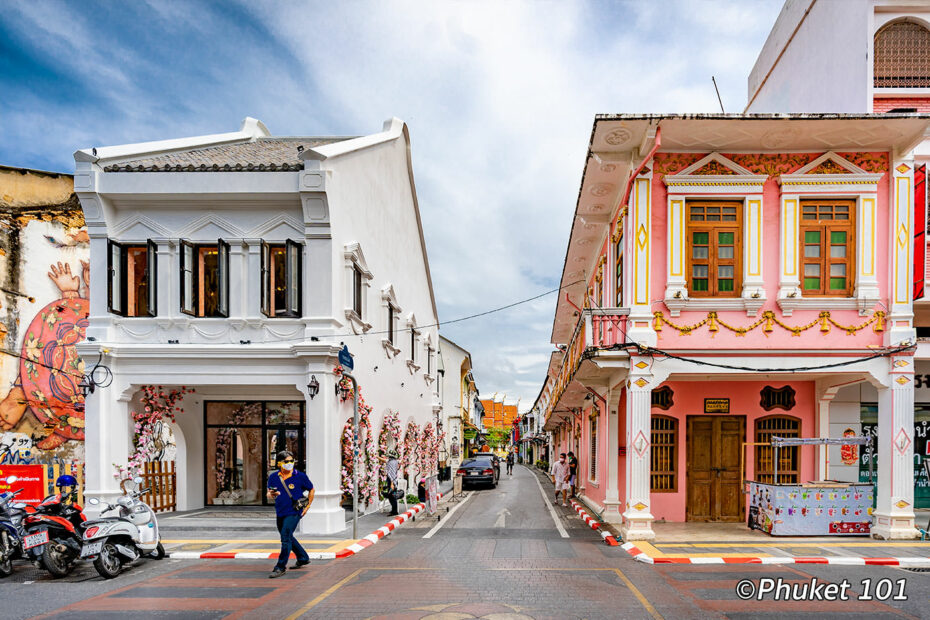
{"points": [[6, 565], [159, 553], [55, 562], [108, 562]]}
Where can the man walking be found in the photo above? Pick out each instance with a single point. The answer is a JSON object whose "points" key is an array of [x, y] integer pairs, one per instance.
{"points": [[560, 479], [510, 460], [292, 493], [391, 468], [572, 472]]}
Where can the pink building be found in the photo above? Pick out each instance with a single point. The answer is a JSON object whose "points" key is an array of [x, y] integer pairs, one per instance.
{"points": [[726, 277]]}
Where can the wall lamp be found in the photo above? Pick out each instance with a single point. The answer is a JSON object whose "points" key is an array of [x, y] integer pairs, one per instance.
{"points": [[313, 388]]}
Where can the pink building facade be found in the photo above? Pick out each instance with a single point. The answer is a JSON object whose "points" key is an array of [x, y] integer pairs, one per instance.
{"points": [[726, 277]]}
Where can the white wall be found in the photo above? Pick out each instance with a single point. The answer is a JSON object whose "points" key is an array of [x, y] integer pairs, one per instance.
{"points": [[824, 68]]}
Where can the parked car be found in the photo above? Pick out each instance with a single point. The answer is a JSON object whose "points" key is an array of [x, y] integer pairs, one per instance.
{"points": [[479, 469]]}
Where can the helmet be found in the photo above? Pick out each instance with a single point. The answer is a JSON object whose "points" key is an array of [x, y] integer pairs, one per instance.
{"points": [[66, 481]]}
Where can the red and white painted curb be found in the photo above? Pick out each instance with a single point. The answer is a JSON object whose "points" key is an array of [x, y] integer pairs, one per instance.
{"points": [[594, 525], [914, 562], [352, 549]]}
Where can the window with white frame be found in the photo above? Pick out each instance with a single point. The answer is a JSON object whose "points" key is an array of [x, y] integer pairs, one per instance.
{"points": [[390, 309], [357, 281]]}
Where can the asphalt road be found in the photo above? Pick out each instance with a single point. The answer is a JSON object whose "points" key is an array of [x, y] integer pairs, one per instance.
{"points": [[495, 553]]}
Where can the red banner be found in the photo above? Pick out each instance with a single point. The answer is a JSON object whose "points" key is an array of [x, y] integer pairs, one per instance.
{"points": [[30, 478]]}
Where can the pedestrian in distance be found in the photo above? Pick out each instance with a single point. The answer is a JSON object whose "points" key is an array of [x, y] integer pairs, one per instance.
{"points": [[572, 471], [391, 468], [510, 459], [292, 493], [560, 478]]}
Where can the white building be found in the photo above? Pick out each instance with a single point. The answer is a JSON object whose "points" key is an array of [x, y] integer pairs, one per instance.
{"points": [[238, 264], [458, 393], [860, 56]]}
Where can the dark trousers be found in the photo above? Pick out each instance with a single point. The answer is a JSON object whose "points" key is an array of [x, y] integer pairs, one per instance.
{"points": [[390, 496], [509, 467], [286, 527]]}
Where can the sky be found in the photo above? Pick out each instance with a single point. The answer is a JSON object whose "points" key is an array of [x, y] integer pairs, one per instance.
{"points": [[499, 97]]}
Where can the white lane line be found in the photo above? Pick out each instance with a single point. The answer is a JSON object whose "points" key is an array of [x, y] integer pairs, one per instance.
{"points": [[442, 521], [555, 517]]}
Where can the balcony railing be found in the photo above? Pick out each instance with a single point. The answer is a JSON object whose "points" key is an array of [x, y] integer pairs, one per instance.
{"points": [[599, 328]]}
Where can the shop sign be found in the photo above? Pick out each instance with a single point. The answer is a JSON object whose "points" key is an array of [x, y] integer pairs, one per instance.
{"points": [[921, 453], [470, 433], [30, 478], [716, 405]]}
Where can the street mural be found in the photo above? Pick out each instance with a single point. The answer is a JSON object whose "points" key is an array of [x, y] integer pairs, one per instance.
{"points": [[42, 414]]}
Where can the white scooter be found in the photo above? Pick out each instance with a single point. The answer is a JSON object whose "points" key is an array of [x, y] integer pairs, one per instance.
{"points": [[112, 542]]}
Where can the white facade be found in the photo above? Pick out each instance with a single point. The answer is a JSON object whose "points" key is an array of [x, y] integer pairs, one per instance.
{"points": [[457, 396], [351, 207]]}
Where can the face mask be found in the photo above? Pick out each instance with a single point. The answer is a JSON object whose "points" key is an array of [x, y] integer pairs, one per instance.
{"points": [[561, 460], [288, 466]]}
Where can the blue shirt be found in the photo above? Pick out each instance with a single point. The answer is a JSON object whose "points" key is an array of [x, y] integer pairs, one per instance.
{"points": [[297, 483]]}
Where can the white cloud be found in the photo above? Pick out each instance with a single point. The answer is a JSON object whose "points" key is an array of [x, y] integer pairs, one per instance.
{"points": [[499, 97]]}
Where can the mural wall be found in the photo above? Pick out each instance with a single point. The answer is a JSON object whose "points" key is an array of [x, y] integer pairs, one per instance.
{"points": [[44, 276]]}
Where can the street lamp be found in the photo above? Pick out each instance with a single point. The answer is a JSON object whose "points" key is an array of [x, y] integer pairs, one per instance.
{"points": [[313, 388]]}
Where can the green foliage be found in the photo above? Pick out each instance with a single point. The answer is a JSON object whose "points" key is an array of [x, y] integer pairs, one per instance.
{"points": [[412, 499], [498, 437], [543, 465]]}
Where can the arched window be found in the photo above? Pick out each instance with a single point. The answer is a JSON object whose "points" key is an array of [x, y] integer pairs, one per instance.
{"points": [[902, 56], [664, 455], [789, 458]]}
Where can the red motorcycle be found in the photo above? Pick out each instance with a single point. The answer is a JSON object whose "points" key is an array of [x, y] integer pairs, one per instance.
{"points": [[54, 533]]}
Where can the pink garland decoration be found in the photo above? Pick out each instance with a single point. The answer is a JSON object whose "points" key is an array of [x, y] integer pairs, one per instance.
{"points": [[157, 405]]}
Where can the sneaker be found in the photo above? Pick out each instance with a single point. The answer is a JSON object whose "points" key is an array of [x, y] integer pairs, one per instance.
{"points": [[564, 504], [556, 502], [277, 572], [300, 564]]}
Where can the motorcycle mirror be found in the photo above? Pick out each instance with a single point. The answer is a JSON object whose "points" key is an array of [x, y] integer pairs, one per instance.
{"points": [[11, 479], [138, 479], [93, 501]]}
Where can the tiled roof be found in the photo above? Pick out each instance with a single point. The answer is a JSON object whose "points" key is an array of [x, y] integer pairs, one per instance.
{"points": [[262, 155]]}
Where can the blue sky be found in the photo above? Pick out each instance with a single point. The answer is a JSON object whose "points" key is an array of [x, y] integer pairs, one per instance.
{"points": [[499, 96]]}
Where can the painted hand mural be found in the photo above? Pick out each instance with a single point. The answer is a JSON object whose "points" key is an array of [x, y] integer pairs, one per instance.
{"points": [[49, 373]]}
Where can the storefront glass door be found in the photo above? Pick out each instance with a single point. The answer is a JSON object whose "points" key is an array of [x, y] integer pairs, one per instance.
{"points": [[242, 439]]}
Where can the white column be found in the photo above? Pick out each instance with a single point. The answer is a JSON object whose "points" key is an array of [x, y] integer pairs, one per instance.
{"points": [[252, 284], [753, 284], [108, 439], [637, 517], [240, 276], [639, 325], [166, 279], [823, 431], [902, 257], [324, 457], [894, 512], [676, 281], [789, 279], [612, 511], [866, 272]]}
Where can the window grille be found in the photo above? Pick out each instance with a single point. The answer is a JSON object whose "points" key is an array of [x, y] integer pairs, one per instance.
{"points": [[902, 56], [664, 455], [789, 458]]}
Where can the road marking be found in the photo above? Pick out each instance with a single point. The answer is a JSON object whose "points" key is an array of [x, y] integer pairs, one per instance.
{"points": [[639, 595], [502, 518], [555, 517], [322, 596], [442, 521]]}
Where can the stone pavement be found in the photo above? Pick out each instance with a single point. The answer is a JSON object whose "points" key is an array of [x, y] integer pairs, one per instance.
{"points": [[497, 553]]}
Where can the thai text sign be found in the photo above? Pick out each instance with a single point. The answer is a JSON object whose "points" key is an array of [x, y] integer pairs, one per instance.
{"points": [[29, 478], [716, 405]]}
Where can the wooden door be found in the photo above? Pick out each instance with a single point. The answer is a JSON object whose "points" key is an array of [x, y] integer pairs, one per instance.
{"points": [[714, 489]]}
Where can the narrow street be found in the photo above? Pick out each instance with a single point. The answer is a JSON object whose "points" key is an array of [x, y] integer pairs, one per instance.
{"points": [[498, 553]]}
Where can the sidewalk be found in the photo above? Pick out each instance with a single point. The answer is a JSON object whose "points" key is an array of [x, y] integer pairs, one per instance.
{"points": [[251, 531], [735, 543]]}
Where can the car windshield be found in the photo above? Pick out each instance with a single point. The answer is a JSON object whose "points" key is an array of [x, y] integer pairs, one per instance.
{"points": [[478, 462]]}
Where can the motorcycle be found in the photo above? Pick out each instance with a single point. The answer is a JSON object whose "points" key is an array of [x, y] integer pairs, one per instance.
{"points": [[54, 533], [11, 528], [113, 541]]}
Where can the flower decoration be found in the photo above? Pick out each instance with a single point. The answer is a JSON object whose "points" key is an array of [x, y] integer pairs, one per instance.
{"points": [[157, 405]]}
